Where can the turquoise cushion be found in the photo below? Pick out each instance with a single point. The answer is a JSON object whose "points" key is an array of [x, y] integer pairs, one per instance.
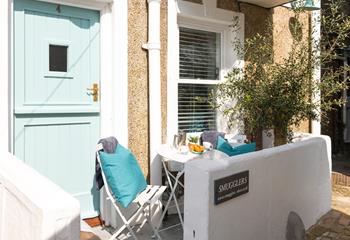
{"points": [[225, 147], [123, 175]]}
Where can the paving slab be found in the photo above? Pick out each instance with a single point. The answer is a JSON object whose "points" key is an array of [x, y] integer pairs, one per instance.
{"points": [[146, 233], [336, 223], [88, 236]]}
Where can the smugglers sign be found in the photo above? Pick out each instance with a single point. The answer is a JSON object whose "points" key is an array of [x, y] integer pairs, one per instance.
{"points": [[230, 187]]}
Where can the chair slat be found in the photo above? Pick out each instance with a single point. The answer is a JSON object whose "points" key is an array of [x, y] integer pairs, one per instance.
{"points": [[146, 195], [157, 195], [141, 195]]}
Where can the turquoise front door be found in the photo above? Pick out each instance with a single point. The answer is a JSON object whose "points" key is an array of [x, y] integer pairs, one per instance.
{"points": [[56, 117]]}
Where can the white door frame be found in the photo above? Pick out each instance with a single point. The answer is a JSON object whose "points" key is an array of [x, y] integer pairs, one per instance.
{"points": [[5, 74], [114, 67]]}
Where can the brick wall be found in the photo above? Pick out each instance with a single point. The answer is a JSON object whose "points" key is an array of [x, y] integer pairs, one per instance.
{"points": [[340, 179]]}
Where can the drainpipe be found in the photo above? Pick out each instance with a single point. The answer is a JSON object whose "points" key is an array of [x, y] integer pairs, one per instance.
{"points": [[155, 123]]}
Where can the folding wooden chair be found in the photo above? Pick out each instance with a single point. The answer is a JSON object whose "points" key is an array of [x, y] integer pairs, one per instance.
{"points": [[145, 199]]}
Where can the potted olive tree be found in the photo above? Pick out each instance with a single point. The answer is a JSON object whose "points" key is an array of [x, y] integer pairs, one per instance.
{"points": [[279, 95]]}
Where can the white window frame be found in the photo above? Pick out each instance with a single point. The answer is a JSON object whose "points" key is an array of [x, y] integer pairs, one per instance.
{"points": [[208, 28], [204, 17], [187, 24]]}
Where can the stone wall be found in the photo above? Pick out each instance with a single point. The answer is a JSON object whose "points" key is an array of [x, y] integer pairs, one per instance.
{"points": [[138, 83], [340, 179]]}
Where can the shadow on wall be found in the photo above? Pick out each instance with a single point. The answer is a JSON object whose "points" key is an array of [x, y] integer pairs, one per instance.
{"points": [[96, 196], [295, 28], [295, 227]]}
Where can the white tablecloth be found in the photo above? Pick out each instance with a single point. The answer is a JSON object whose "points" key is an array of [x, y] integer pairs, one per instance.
{"points": [[176, 160]]}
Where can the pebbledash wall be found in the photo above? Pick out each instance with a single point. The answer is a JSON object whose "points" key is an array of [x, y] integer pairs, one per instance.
{"points": [[138, 104], [138, 96], [138, 82], [289, 180], [282, 40]]}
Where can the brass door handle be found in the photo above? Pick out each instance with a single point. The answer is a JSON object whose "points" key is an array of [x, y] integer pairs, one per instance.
{"points": [[93, 92]]}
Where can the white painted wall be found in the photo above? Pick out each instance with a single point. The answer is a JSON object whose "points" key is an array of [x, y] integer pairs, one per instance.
{"points": [[293, 177], [316, 34], [32, 207], [114, 84]]}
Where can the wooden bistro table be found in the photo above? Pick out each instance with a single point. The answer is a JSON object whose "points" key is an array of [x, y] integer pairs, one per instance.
{"points": [[173, 162]]}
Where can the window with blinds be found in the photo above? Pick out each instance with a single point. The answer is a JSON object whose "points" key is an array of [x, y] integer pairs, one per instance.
{"points": [[195, 113], [199, 54], [199, 59]]}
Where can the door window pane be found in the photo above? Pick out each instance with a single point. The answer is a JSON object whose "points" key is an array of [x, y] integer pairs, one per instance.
{"points": [[58, 58]]}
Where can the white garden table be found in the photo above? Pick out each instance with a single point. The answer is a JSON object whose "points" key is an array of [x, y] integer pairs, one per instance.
{"points": [[174, 161]]}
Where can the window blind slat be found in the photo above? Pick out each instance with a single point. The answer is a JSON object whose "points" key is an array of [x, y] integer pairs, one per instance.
{"points": [[189, 47], [199, 67]]}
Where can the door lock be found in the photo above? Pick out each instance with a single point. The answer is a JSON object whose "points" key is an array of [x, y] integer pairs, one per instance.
{"points": [[93, 92]]}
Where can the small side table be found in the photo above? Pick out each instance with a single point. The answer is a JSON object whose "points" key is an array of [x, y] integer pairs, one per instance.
{"points": [[174, 161]]}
